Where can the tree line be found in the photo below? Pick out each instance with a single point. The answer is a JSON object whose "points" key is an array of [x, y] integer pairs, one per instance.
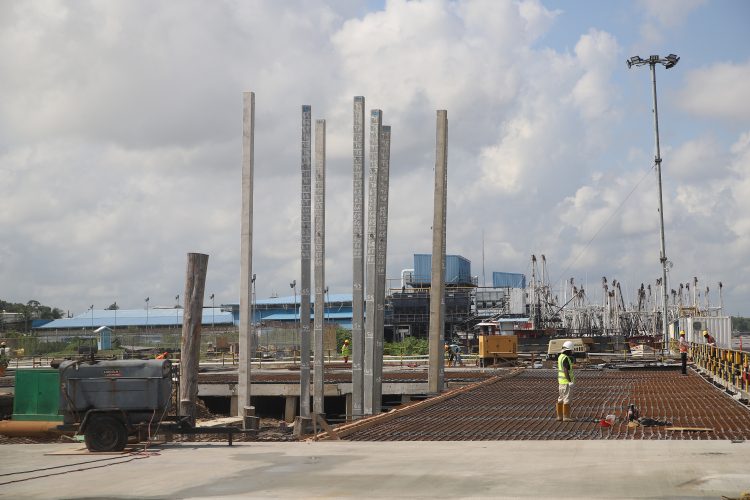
{"points": [[31, 310], [740, 324]]}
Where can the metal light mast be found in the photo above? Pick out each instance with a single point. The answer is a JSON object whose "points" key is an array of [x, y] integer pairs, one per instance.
{"points": [[669, 62]]}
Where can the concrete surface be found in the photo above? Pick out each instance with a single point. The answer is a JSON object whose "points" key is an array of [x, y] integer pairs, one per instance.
{"points": [[503, 469]]}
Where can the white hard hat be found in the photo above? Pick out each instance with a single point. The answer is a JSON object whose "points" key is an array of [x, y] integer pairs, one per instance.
{"points": [[567, 346]]}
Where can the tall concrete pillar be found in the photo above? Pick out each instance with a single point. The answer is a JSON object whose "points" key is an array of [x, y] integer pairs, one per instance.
{"points": [[376, 123], [436, 373], [358, 257], [305, 252], [380, 265], [320, 259], [246, 250]]}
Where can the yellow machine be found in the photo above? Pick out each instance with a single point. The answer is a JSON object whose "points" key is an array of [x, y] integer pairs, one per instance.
{"points": [[497, 347]]}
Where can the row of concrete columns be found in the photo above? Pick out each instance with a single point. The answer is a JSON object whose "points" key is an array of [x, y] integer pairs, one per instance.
{"points": [[369, 247]]}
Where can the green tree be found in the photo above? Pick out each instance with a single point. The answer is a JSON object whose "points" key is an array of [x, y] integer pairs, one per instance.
{"points": [[740, 324]]}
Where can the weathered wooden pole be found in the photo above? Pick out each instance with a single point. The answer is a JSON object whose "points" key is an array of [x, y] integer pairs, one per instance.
{"points": [[305, 251], [320, 261], [376, 125], [358, 256], [436, 373], [381, 247], [246, 252], [195, 284]]}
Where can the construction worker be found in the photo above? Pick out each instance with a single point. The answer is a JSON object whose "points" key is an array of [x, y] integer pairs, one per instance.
{"points": [[450, 354], [683, 352], [709, 338], [565, 380], [346, 351], [456, 354], [164, 355]]}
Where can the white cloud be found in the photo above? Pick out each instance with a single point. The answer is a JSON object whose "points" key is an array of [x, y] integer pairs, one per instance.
{"points": [[120, 130], [662, 16], [719, 91], [670, 12]]}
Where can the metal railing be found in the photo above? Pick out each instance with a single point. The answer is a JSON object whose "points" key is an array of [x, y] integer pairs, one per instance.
{"points": [[730, 366]]}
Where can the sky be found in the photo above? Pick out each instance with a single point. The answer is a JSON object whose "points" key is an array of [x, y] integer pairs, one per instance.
{"points": [[121, 127]]}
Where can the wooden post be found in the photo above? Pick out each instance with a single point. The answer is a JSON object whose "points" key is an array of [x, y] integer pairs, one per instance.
{"points": [[195, 284]]}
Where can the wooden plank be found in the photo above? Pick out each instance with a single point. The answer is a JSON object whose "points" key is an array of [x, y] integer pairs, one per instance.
{"points": [[326, 427]]}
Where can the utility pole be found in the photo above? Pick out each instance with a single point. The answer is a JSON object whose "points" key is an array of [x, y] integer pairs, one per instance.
{"points": [[381, 245], [669, 62], [195, 284], [358, 256], [371, 406], [246, 252], [320, 259], [305, 252], [436, 372]]}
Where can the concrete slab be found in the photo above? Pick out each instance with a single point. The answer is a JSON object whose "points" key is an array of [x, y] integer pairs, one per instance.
{"points": [[341, 469]]}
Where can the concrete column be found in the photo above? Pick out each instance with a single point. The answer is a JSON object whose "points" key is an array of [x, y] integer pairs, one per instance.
{"points": [[290, 409], [376, 122], [320, 259], [246, 250], [436, 373], [358, 257], [305, 252], [380, 266], [348, 409]]}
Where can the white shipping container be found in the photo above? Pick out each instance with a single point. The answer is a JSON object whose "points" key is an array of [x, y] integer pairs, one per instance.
{"points": [[720, 327]]}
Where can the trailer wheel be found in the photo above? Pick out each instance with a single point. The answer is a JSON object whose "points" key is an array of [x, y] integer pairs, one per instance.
{"points": [[105, 433]]}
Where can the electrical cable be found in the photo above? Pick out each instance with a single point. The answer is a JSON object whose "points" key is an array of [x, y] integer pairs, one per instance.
{"points": [[134, 456], [59, 466]]}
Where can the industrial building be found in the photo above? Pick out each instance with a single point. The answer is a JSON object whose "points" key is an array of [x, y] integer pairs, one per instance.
{"points": [[466, 303]]}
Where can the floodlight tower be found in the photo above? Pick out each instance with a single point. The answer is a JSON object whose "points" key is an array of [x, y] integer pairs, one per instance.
{"points": [[668, 62]]}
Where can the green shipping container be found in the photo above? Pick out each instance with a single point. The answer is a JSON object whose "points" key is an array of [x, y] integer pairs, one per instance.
{"points": [[37, 394]]}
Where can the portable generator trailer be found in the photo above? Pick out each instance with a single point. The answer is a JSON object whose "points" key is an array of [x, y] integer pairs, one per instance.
{"points": [[497, 349], [109, 401]]}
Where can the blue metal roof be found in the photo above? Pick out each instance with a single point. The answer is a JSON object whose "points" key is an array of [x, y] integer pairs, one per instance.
{"points": [[136, 317], [293, 317], [292, 299]]}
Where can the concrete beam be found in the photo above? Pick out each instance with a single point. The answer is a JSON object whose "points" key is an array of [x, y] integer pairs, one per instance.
{"points": [[436, 371], [358, 255], [283, 390], [290, 408], [381, 245], [246, 249], [371, 406], [305, 254], [320, 266]]}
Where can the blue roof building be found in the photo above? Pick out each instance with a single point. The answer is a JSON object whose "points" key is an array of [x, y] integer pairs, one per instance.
{"points": [[123, 318]]}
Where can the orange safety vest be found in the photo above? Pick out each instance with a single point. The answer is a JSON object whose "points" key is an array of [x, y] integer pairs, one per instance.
{"points": [[683, 345]]}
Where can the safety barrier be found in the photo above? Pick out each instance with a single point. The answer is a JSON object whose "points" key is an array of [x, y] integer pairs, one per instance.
{"points": [[729, 366]]}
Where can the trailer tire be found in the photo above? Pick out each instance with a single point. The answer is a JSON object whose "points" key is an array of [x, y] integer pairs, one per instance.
{"points": [[105, 433]]}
